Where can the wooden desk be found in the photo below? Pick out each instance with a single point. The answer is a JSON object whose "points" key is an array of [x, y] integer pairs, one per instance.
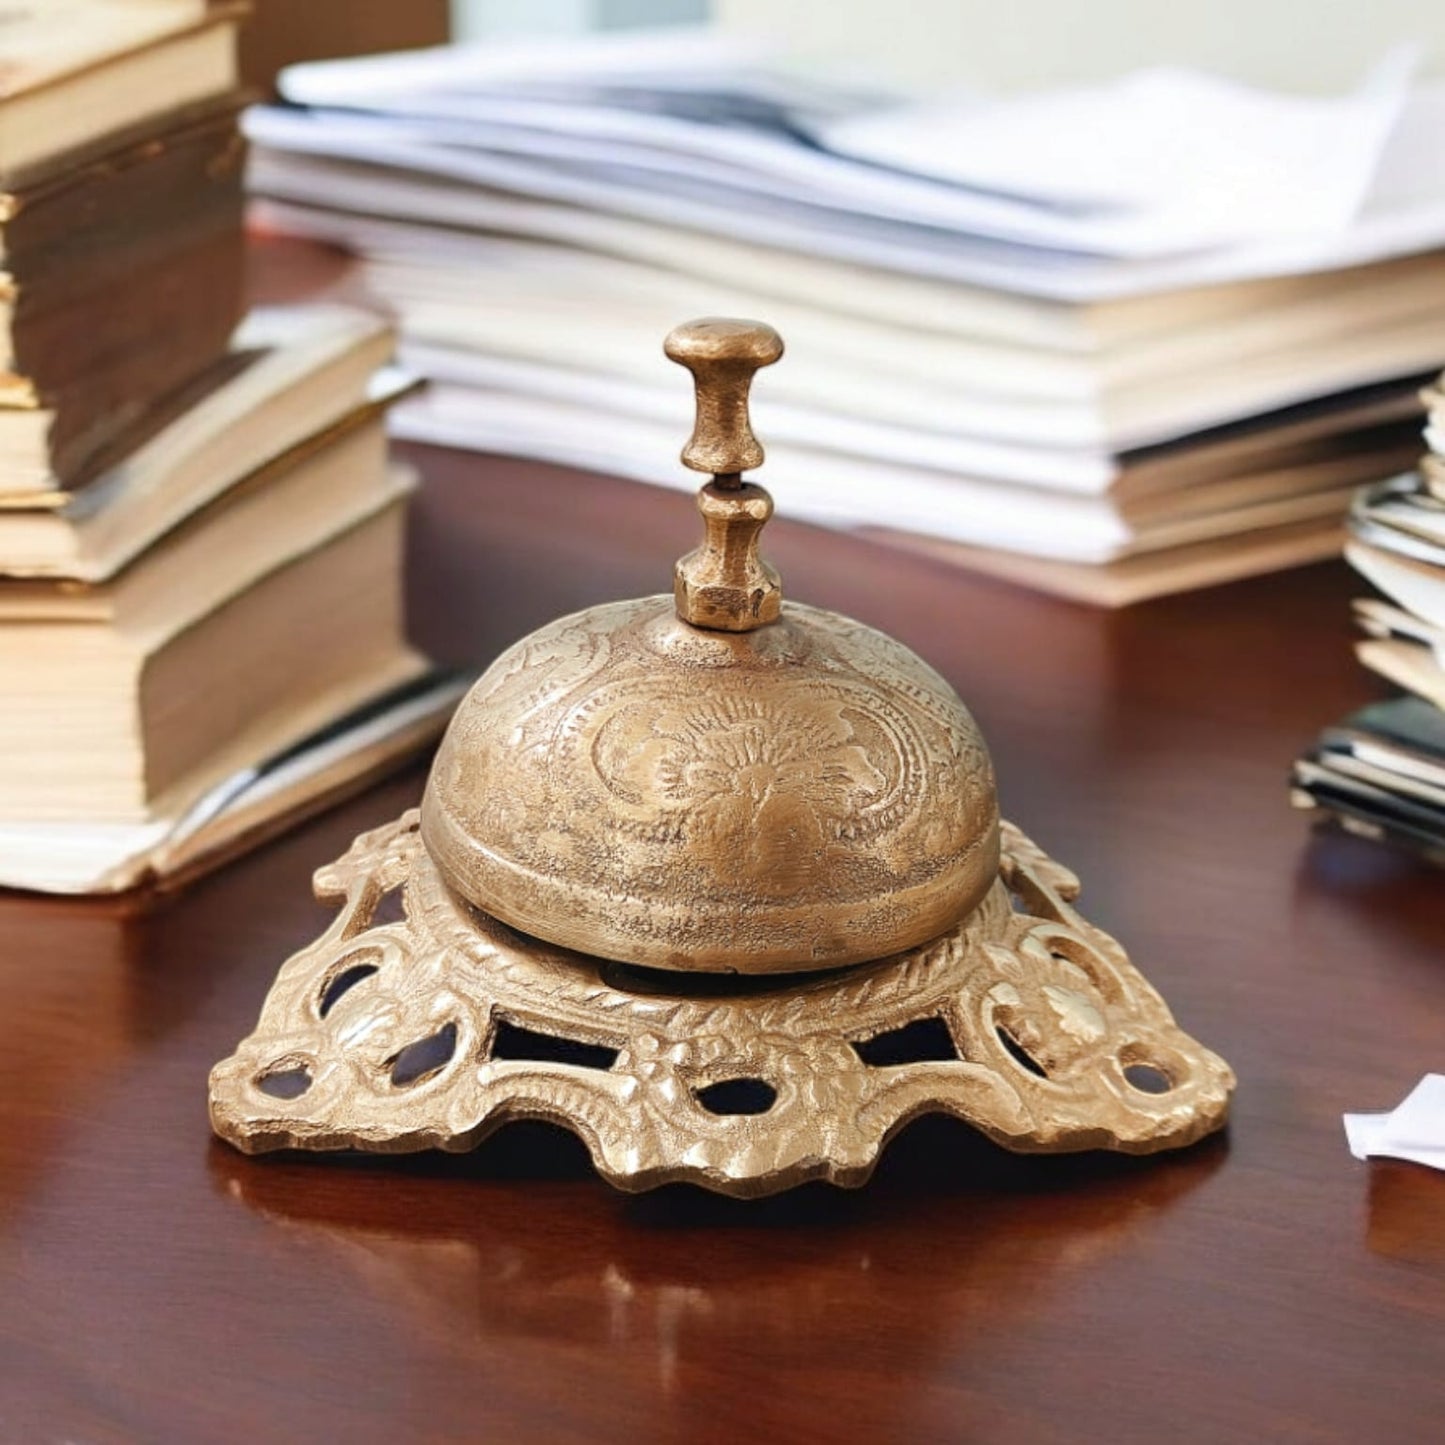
{"points": [[157, 1287]]}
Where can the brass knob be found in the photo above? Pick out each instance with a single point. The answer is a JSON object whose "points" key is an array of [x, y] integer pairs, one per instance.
{"points": [[722, 355], [725, 585]]}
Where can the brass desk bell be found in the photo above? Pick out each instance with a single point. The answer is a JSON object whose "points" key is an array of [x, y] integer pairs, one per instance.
{"points": [[720, 885]]}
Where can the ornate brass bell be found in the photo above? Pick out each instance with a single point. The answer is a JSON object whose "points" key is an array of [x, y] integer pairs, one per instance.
{"points": [[726, 786], [703, 843]]}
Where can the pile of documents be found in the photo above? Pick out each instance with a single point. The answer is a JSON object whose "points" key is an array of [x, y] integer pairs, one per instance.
{"points": [[1382, 771], [1112, 342], [200, 534]]}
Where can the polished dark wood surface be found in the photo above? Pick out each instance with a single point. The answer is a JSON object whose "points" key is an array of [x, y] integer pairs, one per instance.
{"points": [[285, 32], [159, 1287]]}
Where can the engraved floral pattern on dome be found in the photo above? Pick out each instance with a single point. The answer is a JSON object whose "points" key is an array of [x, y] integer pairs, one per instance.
{"points": [[623, 785], [762, 790]]}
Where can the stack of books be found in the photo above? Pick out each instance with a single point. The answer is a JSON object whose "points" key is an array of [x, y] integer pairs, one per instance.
{"points": [[1111, 343], [1381, 772], [201, 620]]}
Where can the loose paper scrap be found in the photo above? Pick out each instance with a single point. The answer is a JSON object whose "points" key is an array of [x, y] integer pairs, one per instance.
{"points": [[1415, 1130]]}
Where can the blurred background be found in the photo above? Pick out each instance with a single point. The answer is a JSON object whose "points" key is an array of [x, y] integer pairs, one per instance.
{"points": [[944, 43], [1112, 303]]}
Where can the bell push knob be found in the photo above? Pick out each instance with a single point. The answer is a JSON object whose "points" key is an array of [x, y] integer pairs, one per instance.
{"points": [[723, 354], [725, 585]]}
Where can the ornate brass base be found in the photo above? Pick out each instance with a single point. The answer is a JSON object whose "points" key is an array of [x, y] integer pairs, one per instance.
{"points": [[434, 1030]]}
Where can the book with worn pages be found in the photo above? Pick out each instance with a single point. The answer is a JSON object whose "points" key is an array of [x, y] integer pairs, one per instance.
{"points": [[1381, 772], [292, 374], [123, 280], [79, 74], [202, 533], [242, 809], [1015, 344], [122, 254]]}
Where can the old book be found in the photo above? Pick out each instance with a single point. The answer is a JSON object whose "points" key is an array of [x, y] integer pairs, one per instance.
{"points": [[132, 263], [1346, 764], [265, 793], [1411, 665], [91, 372], [1359, 807], [1432, 474], [1417, 585], [296, 374], [82, 345], [1402, 739], [260, 616], [78, 70], [85, 218], [1381, 619]]}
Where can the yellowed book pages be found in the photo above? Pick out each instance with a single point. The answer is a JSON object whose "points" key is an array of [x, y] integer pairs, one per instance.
{"points": [[1414, 585], [123, 738], [1410, 665], [268, 792], [1381, 619], [74, 71], [250, 434], [318, 778], [46, 40], [292, 370], [1432, 471], [270, 519]]}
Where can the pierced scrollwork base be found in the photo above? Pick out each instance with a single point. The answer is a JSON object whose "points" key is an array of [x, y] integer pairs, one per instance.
{"points": [[433, 1030]]}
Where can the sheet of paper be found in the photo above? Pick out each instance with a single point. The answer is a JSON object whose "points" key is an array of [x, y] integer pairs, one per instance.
{"points": [[1162, 163], [1414, 1131], [1191, 159], [798, 202]]}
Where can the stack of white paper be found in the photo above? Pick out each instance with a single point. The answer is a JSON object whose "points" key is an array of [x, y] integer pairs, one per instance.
{"points": [[1381, 771], [1107, 327]]}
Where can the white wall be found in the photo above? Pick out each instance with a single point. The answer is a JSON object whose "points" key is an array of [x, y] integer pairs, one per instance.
{"points": [[1306, 44]]}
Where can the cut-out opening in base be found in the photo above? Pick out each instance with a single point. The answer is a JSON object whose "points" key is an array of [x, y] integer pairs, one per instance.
{"points": [[729, 1097], [286, 1080], [640, 981], [1019, 1054], [512, 1041], [1148, 1078], [343, 983], [389, 907], [424, 1058], [924, 1041]]}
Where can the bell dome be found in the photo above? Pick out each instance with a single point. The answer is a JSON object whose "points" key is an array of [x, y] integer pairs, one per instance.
{"points": [[716, 780]]}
